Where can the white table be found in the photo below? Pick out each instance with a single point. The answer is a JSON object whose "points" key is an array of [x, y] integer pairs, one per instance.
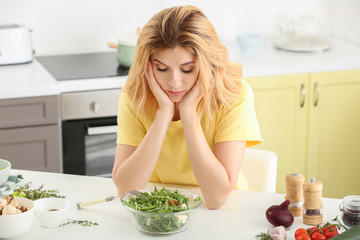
{"points": [[241, 217]]}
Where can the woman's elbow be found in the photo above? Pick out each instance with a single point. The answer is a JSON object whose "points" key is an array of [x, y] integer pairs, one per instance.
{"points": [[214, 205], [219, 198], [216, 202]]}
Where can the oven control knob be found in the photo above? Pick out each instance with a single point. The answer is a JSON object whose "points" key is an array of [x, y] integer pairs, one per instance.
{"points": [[95, 107]]}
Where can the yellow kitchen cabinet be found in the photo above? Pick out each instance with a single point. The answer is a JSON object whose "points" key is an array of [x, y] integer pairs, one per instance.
{"points": [[312, 122], [280, 107], [334, 132]]}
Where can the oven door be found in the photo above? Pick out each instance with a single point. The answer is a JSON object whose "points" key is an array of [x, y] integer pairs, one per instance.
{"points": [[89, 146]]}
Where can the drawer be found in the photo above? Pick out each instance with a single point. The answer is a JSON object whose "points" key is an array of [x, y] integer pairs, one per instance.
{"points": [[29, 111], [32, 148], [90, 104]]}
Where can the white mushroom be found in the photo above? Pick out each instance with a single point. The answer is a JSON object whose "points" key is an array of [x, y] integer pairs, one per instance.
{"points": [[9, 210], [7, 198], [14, 202], [24, 208], [3, 203]]}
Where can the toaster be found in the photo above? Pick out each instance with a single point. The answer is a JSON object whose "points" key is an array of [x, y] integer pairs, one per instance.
{"points": [[15, 44]]}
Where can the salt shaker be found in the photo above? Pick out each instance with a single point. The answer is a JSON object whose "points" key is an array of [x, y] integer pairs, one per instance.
{"points": [[313, 212], [294, 192]]}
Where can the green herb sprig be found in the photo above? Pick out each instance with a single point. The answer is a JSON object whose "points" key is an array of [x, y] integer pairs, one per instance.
{"points": [[34, 194], [263, 236], [84, 223]]}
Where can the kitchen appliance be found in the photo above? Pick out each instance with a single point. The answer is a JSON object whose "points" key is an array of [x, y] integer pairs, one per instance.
{"points": [[15, 44], [88, 117], [83, 65], [89, 131]]}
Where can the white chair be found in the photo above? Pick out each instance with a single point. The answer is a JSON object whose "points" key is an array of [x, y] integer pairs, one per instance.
{"points": [[259, 168]]}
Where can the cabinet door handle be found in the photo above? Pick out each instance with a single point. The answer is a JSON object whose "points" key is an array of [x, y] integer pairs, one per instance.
{"points": [[303, 95], [316, 94]]}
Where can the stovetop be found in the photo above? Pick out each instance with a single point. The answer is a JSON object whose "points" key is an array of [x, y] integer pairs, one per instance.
{"points": [[83, 66]]}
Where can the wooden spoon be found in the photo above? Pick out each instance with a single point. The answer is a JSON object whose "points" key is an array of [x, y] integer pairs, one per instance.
{"points": [[80, 205], [112, 45]]}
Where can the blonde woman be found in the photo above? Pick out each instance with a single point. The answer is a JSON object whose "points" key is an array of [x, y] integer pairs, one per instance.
{"points": [[185, 116]]}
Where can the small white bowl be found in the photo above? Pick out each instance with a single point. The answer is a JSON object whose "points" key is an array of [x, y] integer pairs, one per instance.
{"points": [[51, 212], [5, 167], [18, 224]]}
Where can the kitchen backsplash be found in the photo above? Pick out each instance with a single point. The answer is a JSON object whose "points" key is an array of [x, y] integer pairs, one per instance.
{"points": [[68, 26]]}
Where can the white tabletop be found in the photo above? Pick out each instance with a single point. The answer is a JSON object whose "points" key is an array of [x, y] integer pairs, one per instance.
{"points": [[241, 217]]}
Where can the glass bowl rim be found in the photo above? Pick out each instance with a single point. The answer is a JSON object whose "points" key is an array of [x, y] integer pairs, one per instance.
{"points": [[7, 163], [193, 208]]}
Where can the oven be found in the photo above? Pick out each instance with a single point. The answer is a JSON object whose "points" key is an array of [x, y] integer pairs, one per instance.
{"points": [[88, 117], [89, 131]]}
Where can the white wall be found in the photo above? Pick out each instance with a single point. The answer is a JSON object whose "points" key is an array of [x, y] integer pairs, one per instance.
{"points": [[344, 16], [77, 26]]}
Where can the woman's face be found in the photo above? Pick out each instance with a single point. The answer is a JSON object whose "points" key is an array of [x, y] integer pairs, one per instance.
{"points": [[176, 70]]}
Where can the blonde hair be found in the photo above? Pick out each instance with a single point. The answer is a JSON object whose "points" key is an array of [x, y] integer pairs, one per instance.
{"points": [[188, 27]]}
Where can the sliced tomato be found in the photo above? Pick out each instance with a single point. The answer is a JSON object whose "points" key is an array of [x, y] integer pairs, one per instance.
{"points": [[172, 202]]}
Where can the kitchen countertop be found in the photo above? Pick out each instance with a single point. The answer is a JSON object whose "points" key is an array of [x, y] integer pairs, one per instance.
{"points": [[269, 61], [241, 217], [32, 79]]}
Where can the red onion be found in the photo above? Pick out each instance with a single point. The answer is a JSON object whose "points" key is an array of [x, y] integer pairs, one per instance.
{"points": [[279, 215]]}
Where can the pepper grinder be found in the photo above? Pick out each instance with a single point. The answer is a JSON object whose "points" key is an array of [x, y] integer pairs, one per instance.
{"points": [[294, 192], [313, 214]]}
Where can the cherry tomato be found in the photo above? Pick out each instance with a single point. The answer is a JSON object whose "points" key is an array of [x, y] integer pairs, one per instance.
{"points": [[318, 236], [329, 234], [303, 236], [173, 201], [312, 230], [300, 231], [332, 227]]}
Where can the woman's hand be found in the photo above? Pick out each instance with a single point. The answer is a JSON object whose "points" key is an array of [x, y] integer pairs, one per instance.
{"points": [[161, 97], [190, 102]]}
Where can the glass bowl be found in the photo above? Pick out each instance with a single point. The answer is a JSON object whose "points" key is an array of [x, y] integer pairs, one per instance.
{"points": [[163, 223], [5, 167]]}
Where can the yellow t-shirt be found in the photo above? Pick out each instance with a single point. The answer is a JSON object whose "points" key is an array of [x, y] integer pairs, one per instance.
{"points": [[173, 166]]}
